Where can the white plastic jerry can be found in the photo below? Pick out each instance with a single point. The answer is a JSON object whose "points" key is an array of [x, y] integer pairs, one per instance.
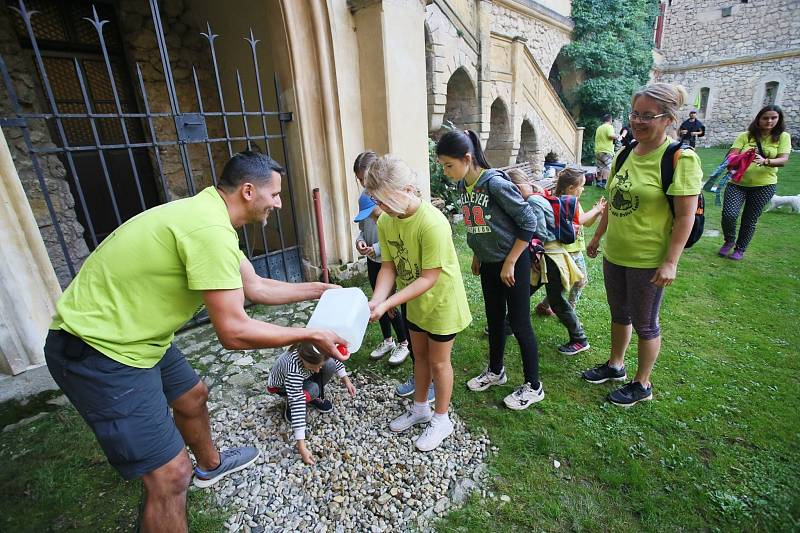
{"points": [[345, 312]]}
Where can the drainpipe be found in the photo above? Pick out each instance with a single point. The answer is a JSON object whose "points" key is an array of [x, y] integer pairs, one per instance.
{"points": [[320, 235]]}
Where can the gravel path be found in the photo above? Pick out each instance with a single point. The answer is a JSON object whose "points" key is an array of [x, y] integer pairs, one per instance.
{"points": [[366, 477]]}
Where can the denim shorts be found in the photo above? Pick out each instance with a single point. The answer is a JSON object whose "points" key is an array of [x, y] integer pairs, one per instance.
{"points": [[126, 407]]}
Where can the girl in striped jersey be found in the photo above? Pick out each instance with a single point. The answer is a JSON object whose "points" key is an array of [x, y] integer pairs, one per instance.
{"points": [[300, 374]]}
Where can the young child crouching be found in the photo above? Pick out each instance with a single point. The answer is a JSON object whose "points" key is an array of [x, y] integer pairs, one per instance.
{"points": [[300, 374]]}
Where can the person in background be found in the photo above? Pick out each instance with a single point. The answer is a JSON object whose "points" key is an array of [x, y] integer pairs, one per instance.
{"points": [[604, 138], [767, 136], [691, 129]]}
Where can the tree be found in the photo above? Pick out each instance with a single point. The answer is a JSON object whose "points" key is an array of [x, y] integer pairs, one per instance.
{"points": [[612, 44]]}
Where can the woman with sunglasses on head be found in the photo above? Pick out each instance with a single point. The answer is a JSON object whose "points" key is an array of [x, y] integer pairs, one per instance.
{"points": [[766, 136], [644, 239]]}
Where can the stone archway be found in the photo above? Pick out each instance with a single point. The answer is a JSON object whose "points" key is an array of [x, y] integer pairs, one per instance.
{"points": [[528, 150], [500, 145], [462, 103]]}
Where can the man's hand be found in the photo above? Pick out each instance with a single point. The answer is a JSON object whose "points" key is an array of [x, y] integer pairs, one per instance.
{"points": [[326, 342]]}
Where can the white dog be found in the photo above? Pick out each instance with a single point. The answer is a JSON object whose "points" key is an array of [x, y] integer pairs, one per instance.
{"points": [[792, 201]]}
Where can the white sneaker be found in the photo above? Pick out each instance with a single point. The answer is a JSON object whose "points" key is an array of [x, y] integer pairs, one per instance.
{"points": [[399, 354], [383, 348], [439, 429], [486, 380], [410, 418], [524, 397]]}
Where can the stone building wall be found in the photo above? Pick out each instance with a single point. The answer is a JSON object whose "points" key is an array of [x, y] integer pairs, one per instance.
{"points": [[186, 46], [480, 81], [734, 59], [23, 75], [544, 40]]}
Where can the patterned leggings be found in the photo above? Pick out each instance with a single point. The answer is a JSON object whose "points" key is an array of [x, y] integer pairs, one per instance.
{"points": [[754, 200]]}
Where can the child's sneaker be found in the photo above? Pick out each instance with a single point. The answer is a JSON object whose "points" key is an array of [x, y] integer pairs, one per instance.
{"points": [[439, 429], [410, 418], [322, 405], [573, 347], [399, 354], [524, 397], [406, 388], [383, 348], [630, 394], [544, 310], [486, 379], [603, 373]]}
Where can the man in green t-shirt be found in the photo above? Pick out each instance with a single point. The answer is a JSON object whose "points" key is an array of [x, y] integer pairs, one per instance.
{"points": [[110, 347], [604, 139]]}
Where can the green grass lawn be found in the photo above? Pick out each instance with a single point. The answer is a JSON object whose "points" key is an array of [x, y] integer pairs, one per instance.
{"points": [[717, 449]]}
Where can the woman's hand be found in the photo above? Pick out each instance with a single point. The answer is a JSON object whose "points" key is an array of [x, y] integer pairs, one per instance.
{"points": [[507, 273], [593, 247], [665, 274], [476, 266]]}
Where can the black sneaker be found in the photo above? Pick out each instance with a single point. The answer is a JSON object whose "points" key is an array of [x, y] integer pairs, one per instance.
{"points": [[322, 405], [630, 394], [573, 347], [287, 413], [603, 373]]}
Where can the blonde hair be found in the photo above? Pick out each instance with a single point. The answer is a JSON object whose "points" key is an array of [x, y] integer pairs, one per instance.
{"points": [[392, 182], [670, 97], [569, 177], [518, 177]]}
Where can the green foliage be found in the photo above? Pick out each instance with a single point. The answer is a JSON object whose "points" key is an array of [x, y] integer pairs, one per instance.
{"points": [[612, 45], [441, 186]]}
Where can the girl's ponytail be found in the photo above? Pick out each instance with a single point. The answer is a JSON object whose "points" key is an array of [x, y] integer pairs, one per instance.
{"points": [[457, 144]]}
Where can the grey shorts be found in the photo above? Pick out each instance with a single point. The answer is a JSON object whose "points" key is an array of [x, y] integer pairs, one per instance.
{"points": [[126, 407], [604, 160]]}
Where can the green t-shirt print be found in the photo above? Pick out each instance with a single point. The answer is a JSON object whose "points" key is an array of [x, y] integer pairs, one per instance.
{"points": [[420, 242]]}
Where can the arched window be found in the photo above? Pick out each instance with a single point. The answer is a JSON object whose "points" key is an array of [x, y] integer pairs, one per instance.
{"points": [[702, 108], [770, 92]]}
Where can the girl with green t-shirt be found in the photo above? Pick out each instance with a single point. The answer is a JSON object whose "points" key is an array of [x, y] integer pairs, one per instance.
{"points": [[644, 240], [766, 136], [418, 256]]}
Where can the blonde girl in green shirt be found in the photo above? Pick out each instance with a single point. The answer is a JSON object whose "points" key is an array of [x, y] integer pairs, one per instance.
{"points": [[418, 256], [644, 240], [772, 145]]}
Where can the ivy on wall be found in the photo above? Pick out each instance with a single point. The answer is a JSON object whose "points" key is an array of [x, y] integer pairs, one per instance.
{"points": [[612, 45]]}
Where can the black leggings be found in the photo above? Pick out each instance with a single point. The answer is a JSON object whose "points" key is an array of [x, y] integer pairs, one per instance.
{"points": [[559, 304], [496, 296], [754, 200], [397, 322]]}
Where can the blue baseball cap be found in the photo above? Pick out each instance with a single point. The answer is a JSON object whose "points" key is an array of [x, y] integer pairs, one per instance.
{"points": [[366, 206]]}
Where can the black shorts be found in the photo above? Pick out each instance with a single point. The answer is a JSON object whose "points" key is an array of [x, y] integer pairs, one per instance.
{"points": [[126, 407], [432, 336]]}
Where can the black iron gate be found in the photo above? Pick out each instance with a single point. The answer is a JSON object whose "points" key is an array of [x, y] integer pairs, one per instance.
{"points": [[102, 123]]}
